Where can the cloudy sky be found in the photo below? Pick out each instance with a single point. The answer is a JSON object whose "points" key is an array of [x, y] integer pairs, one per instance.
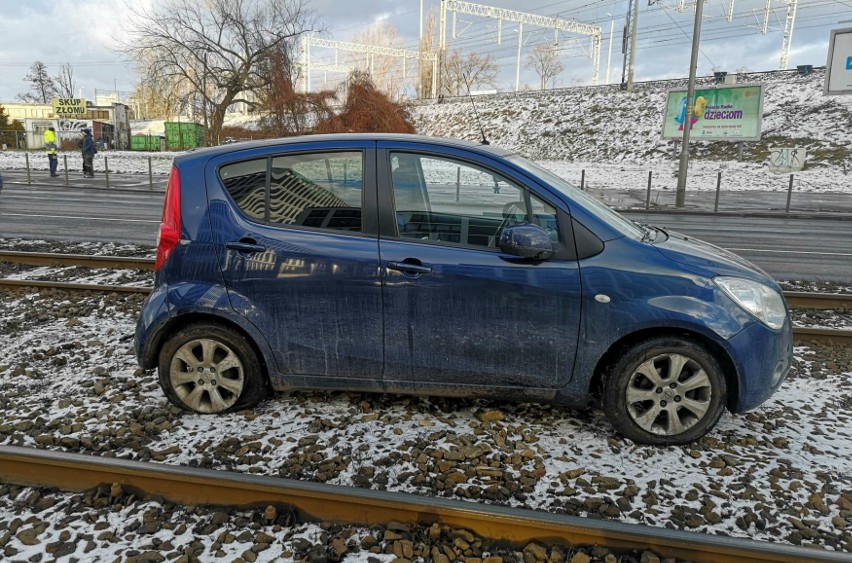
{"points": [[83, 34]]}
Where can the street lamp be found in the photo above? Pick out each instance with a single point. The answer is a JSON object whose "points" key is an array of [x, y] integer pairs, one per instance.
{"points": [[680, 196]]}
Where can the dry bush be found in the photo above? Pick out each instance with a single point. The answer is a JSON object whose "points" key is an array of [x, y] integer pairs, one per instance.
{"points": [[366, 110], [288, 112]]}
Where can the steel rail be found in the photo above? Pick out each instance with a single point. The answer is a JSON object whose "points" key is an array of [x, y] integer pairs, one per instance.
{"points": [[823, 335], [7, 283], [812, 300], [796, 299], [83, 260], [324, 503]]}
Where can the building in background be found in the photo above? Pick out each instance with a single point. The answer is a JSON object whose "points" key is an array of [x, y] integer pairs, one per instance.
{"points": [[110, 123]]}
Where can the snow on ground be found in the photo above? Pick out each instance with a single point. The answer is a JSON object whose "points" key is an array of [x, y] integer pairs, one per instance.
{"points": [[780, 473]]}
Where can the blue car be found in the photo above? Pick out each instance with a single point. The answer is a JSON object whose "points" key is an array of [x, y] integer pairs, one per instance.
{"points": [[409, 264]]}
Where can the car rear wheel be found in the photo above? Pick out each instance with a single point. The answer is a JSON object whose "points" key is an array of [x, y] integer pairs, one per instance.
{"points": [[207, 368], [665, 391]]}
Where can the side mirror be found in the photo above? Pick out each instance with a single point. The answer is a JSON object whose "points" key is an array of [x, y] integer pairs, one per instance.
{"points": [[526, 241]]}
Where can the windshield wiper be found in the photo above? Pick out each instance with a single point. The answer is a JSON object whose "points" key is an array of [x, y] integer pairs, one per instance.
{"points": [[648, 232]]}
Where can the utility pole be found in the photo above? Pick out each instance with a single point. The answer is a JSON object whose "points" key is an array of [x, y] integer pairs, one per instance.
{"points": [[680, 196], [609, 56], [442, 46], [628, 46], [518, 69], [633, 34], [305, 64]]}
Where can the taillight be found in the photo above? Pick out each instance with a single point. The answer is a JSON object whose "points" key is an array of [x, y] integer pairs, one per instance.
{"points": [[169, 235]]}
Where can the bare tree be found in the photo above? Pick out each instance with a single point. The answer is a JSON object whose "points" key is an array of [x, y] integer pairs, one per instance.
{"points": [[544, 59], [42, 88], [458, 71], [65, 83], [156, 95], [385, 72], [209, 54], [427, 45], [151, 99]]}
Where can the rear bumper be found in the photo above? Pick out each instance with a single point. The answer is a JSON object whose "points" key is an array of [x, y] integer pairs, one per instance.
{"points": [[763, 358]]}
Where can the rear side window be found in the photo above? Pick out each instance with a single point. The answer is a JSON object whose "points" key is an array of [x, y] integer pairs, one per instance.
{"points": [[319, 190], [246, 184]]}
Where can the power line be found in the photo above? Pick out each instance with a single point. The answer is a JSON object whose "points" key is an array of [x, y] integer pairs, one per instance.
{"points": [[72, 63]]}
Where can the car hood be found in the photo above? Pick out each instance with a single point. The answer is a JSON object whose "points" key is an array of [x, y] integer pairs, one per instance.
{"points": [[706, 257]]}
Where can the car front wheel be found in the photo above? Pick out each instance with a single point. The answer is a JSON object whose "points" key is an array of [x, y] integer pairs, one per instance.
{"points": [[207, 368], [665, 391]]}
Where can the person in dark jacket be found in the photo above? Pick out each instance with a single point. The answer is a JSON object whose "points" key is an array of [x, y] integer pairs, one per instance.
{"points": [[89, 151]]}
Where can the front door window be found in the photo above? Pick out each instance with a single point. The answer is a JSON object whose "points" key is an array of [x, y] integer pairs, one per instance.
{"points": [[455, 202]]}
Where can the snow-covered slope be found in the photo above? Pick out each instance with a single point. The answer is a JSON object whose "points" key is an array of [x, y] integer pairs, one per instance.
{"points": [[606, 124]]}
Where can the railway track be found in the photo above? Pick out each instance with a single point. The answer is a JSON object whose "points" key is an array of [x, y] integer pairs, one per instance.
{"points": [[354, 506], [81, 260], [796, 299]]}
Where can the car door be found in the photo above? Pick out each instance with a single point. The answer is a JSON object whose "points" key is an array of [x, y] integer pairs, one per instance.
{"points": [[294, 229], [457, 311]]}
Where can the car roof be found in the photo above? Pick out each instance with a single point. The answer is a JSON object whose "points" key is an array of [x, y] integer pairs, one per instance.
{"points": [[338, 137]]}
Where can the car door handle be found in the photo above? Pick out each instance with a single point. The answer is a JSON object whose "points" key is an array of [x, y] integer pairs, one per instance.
{"points": [[408, 268], [241, 246]]}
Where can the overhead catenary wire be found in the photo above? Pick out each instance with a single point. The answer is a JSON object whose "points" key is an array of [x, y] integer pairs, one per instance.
{"points": [[654, 35]]}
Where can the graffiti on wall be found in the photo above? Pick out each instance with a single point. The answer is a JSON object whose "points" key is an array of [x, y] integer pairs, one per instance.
{"points": [[72, 125]]}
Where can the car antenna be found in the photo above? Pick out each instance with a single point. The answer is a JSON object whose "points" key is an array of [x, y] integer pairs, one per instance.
{"points": [[476, 113]]}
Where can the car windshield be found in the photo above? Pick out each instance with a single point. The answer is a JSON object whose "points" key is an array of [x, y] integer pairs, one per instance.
{"points": [[590, 204]]}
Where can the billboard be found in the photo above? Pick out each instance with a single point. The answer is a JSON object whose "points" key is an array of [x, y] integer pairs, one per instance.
{"points": [[838, 69], [723, 113], [69, 107]]}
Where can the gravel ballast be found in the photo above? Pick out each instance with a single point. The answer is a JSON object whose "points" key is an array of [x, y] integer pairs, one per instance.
{"points": [[108, 523], [780, 473]]}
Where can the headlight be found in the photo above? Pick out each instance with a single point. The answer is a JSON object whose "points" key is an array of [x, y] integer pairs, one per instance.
{"points": [[760, 300]]}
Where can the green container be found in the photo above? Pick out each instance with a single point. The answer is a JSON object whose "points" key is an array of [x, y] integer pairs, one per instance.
{"points": [[184, 136], [145, 142]]}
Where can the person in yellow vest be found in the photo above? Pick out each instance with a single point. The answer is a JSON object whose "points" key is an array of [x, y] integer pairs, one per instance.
{"points": [[50, 143]]}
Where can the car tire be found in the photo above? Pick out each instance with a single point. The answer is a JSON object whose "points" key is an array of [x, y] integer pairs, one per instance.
{"points": [[649, 403], [207, 368]]}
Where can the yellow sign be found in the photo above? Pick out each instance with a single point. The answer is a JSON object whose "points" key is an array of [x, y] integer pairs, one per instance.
{"points": [[69, 107]]}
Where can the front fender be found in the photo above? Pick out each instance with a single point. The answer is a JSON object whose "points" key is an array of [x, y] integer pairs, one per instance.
{"points": [[631, 289]]}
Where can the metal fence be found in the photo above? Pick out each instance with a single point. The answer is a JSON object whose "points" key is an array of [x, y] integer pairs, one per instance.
{"points": [[736, 189], [146, 180], [623, 187], [13, 139]]}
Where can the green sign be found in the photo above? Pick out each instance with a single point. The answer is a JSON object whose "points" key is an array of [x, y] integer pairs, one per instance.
{"points": [[726, 113]]}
